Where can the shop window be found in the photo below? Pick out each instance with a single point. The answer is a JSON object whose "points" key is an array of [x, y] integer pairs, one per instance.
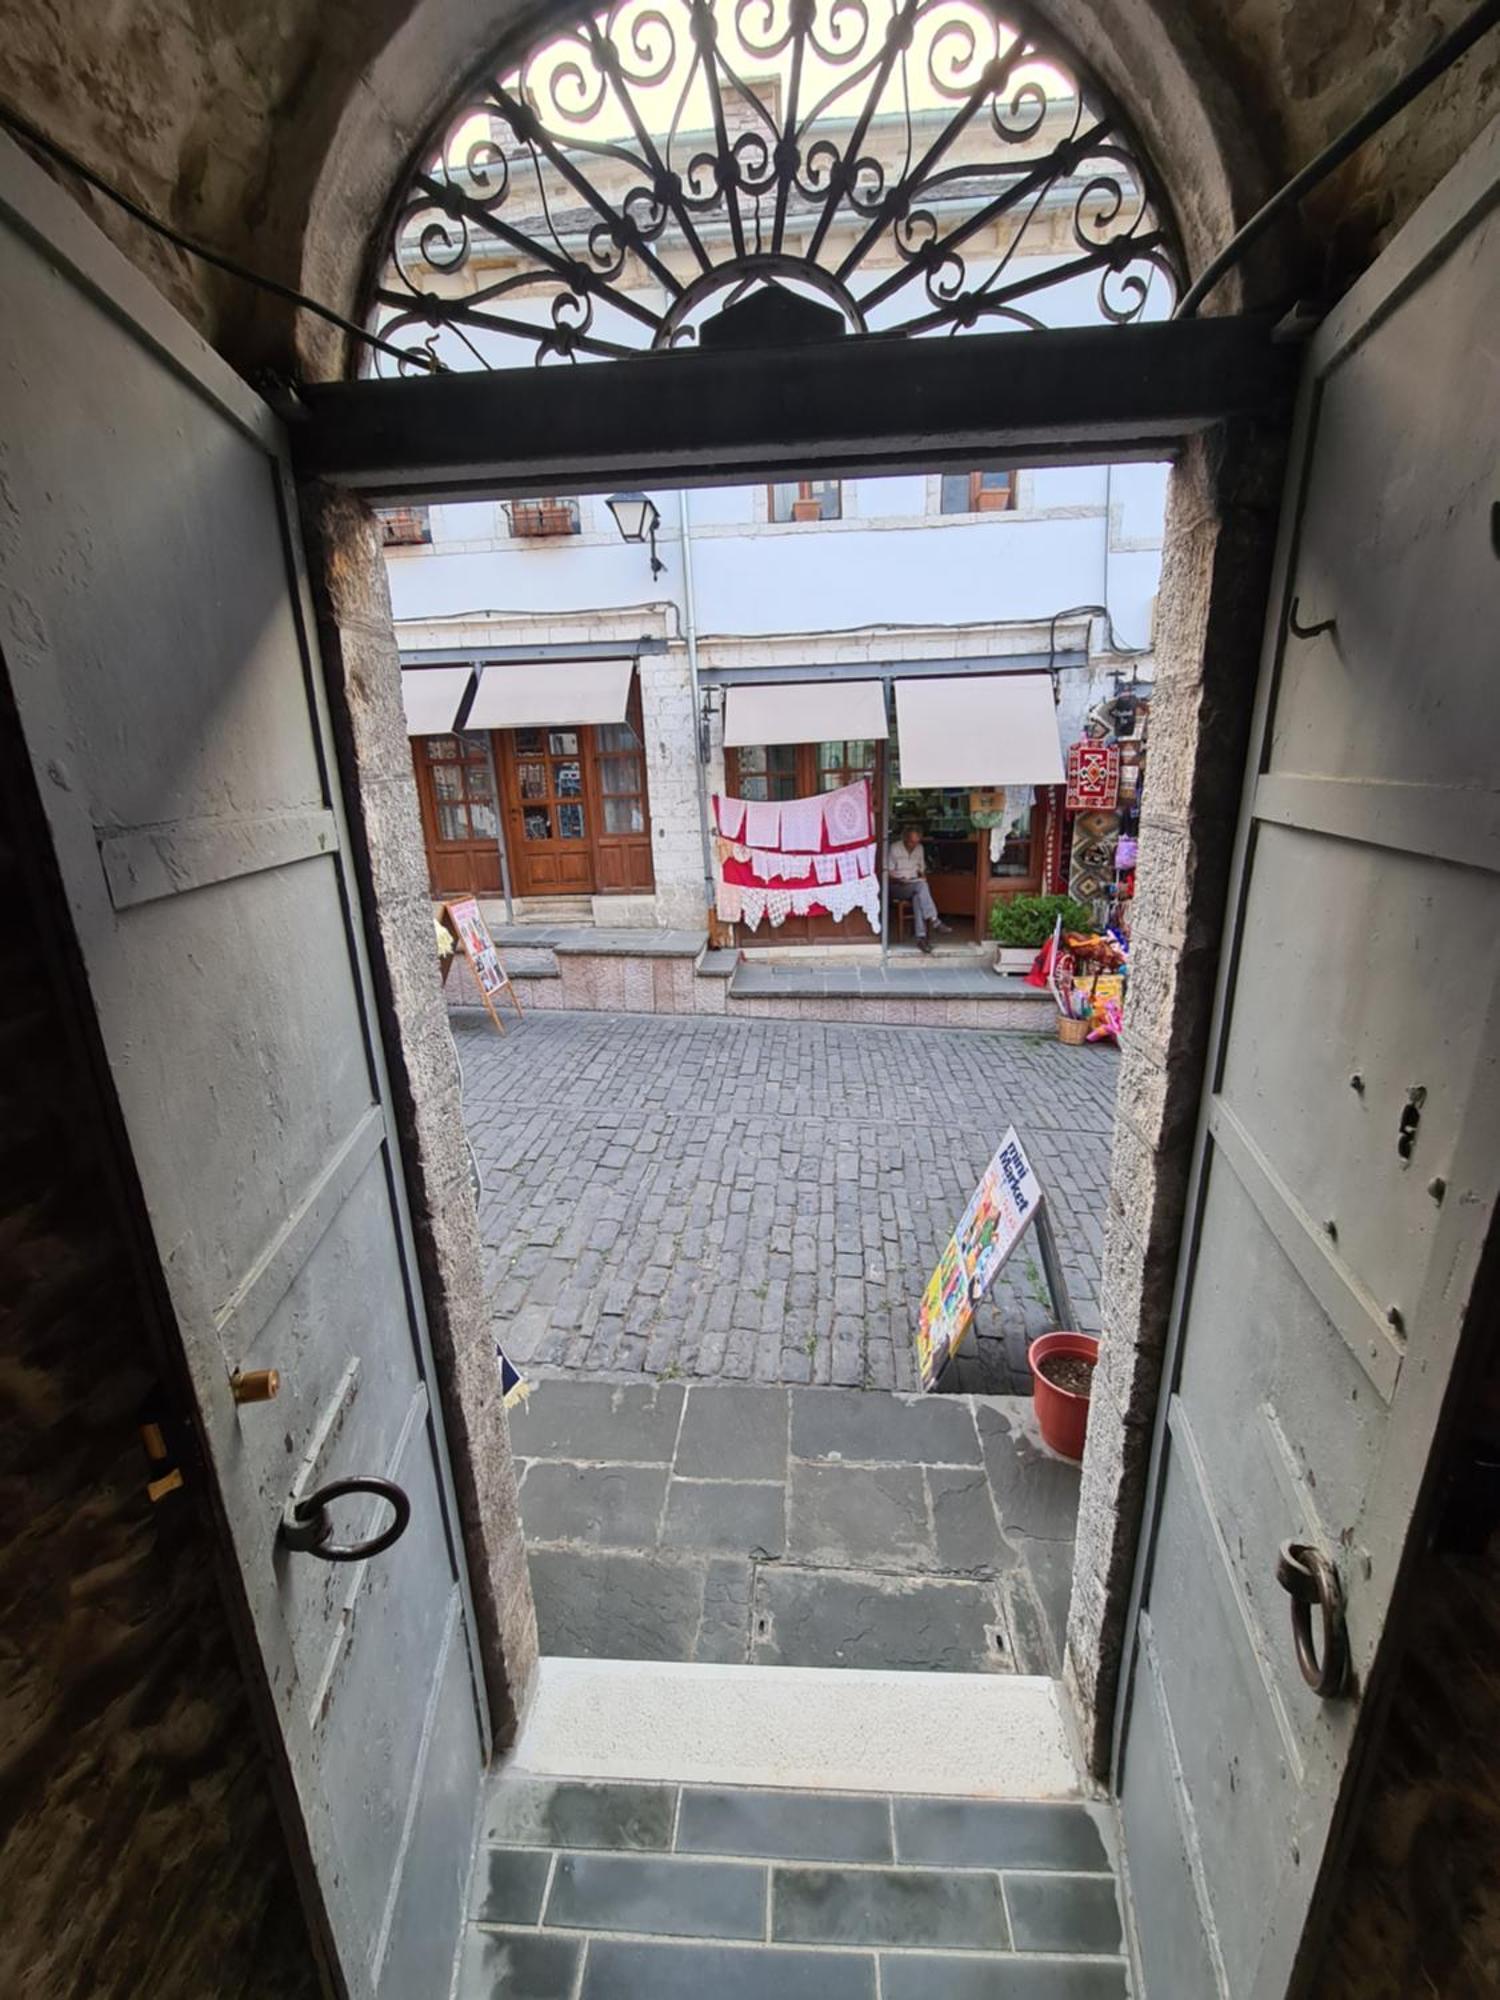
{"points": [[978, 492], [798, 770], [841, 764], [537, 520], [404, 527], [807, 500], [463, 792], [763, 771], [621, 765], [1016, 860], [549, 778]]}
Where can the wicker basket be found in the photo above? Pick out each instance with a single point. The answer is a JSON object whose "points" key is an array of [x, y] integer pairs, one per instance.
{"points": [[1074, 1033]]}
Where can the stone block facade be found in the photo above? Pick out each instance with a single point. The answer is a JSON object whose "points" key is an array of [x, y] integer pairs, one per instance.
{"points": [[672, 783]]}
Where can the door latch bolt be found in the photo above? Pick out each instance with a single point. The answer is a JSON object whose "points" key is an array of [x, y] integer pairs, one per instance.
{"points": [[254, 1385]]}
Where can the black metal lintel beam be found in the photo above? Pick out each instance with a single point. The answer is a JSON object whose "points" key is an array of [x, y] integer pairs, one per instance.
{"points": [[1084, 395]]}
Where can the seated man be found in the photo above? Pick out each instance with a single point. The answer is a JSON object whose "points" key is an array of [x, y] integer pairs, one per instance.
{"points": [[906, 872]]}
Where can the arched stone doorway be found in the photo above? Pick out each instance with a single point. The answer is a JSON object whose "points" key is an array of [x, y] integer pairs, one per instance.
{"points": [[237, 203]]}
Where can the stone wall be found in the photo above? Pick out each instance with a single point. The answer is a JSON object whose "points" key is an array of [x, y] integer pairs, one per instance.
{"points": [[140, 1850], [1220, 537], [276, 130], [362, 672]]}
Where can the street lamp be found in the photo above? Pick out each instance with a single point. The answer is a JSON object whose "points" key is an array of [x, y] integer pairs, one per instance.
{"points": [[637, 519]]}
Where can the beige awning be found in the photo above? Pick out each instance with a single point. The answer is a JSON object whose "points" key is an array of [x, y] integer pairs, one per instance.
{"points": [[805, 712], [541, 694], [989, 729], [430, 696]]}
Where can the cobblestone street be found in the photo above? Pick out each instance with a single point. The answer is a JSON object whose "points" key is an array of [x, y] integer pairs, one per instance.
{"points": [[765, 1200]]}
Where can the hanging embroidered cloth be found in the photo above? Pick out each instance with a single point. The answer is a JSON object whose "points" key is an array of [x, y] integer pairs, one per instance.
{"points": [[762, 823], [802, 825], [781, 857], [846, 814], [1093, 776]]}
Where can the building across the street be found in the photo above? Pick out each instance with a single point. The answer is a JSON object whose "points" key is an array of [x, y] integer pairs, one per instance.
{"points": [[573, 715]]}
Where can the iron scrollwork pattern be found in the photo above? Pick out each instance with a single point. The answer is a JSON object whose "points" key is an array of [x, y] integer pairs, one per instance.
{"points": [[915, 167]]}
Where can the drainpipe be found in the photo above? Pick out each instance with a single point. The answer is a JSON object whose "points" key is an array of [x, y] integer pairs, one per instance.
{"points": [[690, 634], [489, 753]]}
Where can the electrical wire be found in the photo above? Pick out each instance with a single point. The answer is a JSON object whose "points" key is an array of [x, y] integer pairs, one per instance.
{"points": [[30, 135], [1416, 80]]}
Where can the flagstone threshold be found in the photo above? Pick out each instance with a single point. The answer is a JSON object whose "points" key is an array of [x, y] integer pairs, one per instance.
{"points": [[811, 1728]]}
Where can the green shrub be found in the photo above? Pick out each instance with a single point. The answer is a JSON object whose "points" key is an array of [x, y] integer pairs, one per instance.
{"points": [[1028, 920]]}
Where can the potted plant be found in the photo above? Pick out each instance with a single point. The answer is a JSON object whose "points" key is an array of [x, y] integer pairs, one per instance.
{"points": [[807, 508], [1021, 925], [1062, 1376]]}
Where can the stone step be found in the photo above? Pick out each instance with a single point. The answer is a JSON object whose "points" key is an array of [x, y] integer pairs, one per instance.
{"points": [[526, 961], [989, 1736], [555, 910]]}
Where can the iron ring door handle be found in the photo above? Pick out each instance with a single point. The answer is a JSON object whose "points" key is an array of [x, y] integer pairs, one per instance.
{"points": [[1309, 1578], [305, 1525]]}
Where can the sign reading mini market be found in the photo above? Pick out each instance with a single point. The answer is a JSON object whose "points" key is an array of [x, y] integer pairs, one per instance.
{"points": [[1005, 1203]]}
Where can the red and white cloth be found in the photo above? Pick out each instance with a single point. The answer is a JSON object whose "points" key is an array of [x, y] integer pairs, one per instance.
{"points": [[797, 857]]}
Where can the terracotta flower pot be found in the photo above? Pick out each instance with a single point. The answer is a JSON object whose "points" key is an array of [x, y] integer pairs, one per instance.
{"points": [[1062, 1415]]}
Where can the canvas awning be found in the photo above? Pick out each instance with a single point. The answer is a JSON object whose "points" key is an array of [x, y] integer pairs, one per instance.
{"points": [[430, 696], [993, 729], [532, 694], [805, 712]]}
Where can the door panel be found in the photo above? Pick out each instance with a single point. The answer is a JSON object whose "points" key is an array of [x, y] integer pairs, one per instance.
{"points": [[550, 811], [159, 650], [1323, 1291], [460, 814]]}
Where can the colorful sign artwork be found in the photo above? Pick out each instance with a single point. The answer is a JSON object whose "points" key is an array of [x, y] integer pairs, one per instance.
{"points": [[1006, 1200], [466, 926], [479, 946]]}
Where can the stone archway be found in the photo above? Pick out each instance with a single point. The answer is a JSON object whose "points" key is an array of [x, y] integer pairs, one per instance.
{"points": [[1222, 527], [1179, 103]]}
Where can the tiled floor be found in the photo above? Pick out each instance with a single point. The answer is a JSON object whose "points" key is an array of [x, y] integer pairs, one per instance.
{"points": [[765, 1200], [805, 1527], [660, 1892]]}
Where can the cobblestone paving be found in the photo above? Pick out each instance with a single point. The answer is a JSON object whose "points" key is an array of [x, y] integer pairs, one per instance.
{"points": [[765, 1200]]}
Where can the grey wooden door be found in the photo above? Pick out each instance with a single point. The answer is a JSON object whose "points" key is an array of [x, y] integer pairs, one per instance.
{"points": [[156, 635], [1346, 1170]]}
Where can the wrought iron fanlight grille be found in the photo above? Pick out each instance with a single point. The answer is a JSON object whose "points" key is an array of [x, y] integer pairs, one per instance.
{"points": [[661, 173]]}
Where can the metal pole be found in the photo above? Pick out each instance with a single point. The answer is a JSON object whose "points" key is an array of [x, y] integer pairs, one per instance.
{"points": [[690, 633], [881, 859], [1057, 1284], [489, 752]]}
